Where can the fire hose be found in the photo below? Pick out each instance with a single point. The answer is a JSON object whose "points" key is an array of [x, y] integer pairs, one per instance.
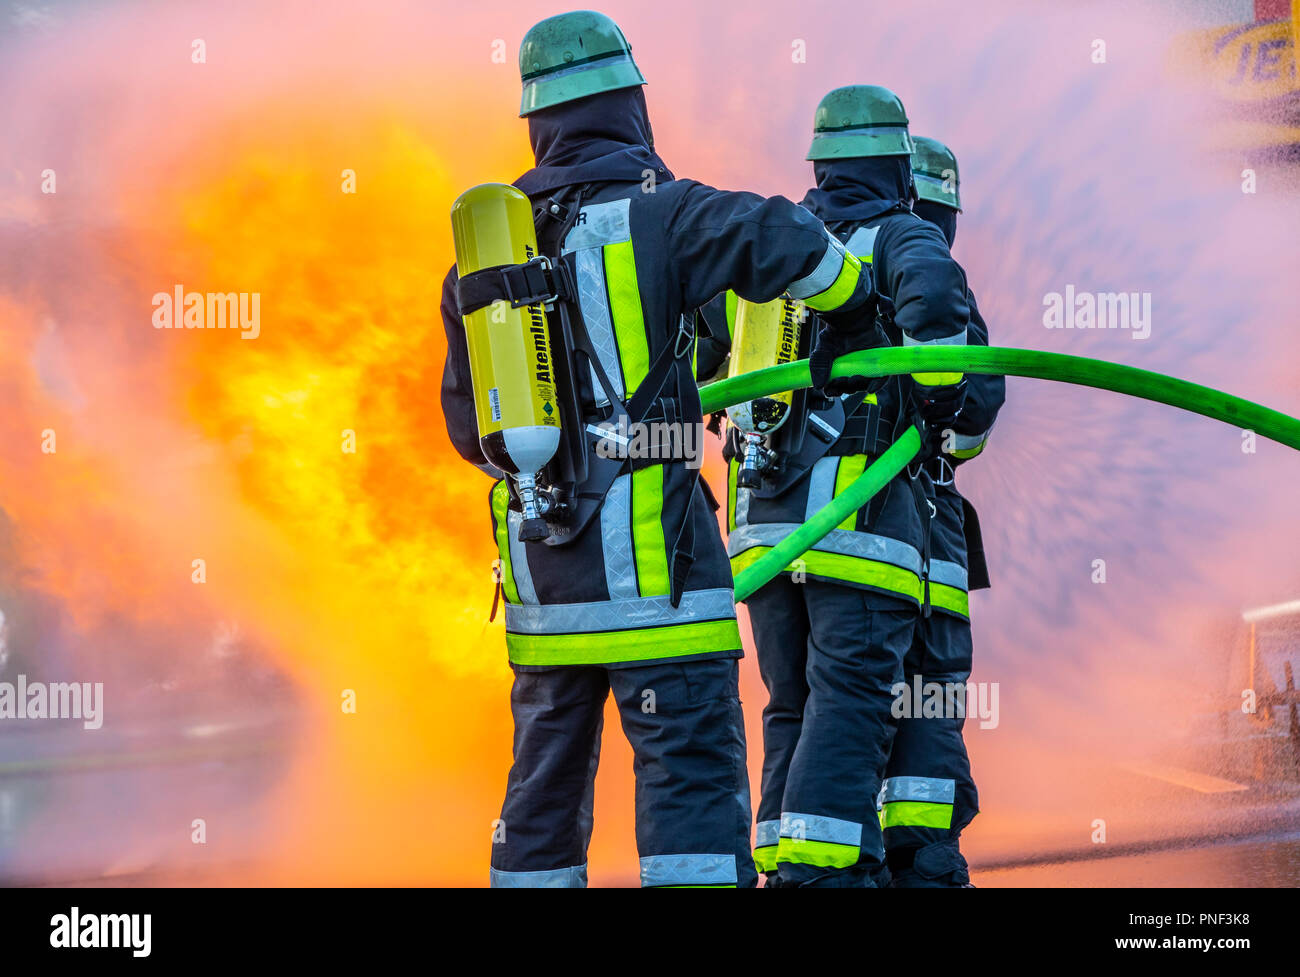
{"points": [[992, 360]]}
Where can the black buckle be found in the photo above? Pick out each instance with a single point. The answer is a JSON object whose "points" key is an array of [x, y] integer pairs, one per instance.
{"points": [[685, 336], [531, 282]]}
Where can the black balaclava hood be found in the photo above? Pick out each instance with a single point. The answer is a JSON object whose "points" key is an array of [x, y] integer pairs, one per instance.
{"points": [[603, 138], [941, 215], [860, 188]]}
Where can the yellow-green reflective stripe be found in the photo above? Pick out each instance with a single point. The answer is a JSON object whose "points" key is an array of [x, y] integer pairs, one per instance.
{"points": [[625, 310], [732, 301], [937, 379], [850, 467], [500, 500], [950, 598], [648, 543], [837, 566], [916, 814], [606, 647], [765, 859], [733, 469], [826, 854], [841, 289]]}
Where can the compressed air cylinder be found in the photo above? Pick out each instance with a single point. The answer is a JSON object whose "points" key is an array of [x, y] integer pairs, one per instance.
{"points": [[509, 349], [765, 335]]}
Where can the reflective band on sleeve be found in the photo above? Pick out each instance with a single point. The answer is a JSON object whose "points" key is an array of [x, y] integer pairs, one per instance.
{"points": [[618, 615], [916, 814], [956, 339], [969, 445], [559, 878], [851, 466], [934, 789], [937, 379], [841, 291], [625, 308], [732, 302], [694, 870], [612, 647], [824, 275], [500, 500], [810, 839], [649, 544]]}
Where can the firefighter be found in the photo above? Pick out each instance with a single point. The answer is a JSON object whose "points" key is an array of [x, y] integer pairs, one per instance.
{"points": [[929, 796], [833, 630], [630, 593]]}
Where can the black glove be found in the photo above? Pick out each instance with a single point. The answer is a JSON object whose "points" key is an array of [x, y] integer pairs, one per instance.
{"points": [[831, 345], [939, 407]]}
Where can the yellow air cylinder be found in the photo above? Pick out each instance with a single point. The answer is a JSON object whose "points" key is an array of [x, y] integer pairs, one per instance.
{"points": [[765, 335], [509, 349]]}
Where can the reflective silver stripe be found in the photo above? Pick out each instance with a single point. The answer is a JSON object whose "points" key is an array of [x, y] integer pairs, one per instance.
{"points": [[577, 68], [964, 442], [600, 224], [519, 560], [948, 573], [742, 505], [767, 833], [824, 275], [846, 542], [956, 339], [862, 242], [616, 540], [558, 878], [821, 485], [620, 615], [688, 870], [918, 789], [814, 827], [593, 298]]}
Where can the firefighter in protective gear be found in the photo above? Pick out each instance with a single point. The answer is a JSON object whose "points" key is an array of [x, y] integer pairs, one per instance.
{"points": [[929, 796], [638, 601], [832, 631]]}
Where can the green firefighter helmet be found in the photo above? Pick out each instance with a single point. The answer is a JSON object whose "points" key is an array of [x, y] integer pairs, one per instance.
{"points": [[934, 170], [860, 120], [571, 56]]}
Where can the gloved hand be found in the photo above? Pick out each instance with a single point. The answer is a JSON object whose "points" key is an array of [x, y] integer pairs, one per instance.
{"points": [[939, 407], [831, 345]]}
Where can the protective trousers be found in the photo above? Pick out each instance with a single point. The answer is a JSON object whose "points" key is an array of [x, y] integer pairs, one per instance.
{"points": [[830, 656], [928, 795], [692, 790]]}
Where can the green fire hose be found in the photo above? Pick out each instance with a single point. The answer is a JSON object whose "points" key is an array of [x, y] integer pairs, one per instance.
{"points": [[994, 360]]}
